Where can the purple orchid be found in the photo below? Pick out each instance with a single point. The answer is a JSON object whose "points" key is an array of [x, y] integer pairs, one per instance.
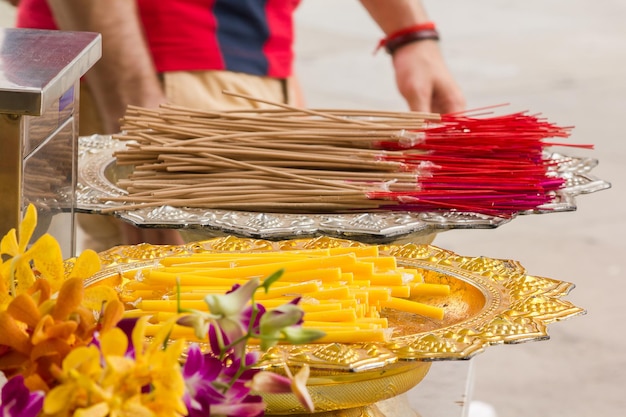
{"points": [[275, 321], [220, 387], [270, 382], [18, 401], [236, 318], [221, 381], [200, 372]]}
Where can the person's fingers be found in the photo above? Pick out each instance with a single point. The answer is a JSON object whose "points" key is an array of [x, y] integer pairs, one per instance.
{"points": [[449, 99], [417, 92], [419, 102], [424, 80]]}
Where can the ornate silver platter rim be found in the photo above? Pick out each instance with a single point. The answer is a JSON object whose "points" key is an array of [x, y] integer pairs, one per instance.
{"points": [[95, 162]]}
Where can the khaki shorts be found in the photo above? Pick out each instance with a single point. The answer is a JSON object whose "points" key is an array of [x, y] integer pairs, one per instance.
{"points": [[197, 89]]}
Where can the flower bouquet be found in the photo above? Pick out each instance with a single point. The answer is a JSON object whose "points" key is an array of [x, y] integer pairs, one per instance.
{"points": [[65, 350]]}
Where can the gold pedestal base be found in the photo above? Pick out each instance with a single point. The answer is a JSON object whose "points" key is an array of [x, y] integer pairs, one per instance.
{"points": [[393, 407]]}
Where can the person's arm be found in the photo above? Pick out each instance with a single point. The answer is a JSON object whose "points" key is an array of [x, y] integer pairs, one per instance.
{"points": [[125, 74], [422, 76]]}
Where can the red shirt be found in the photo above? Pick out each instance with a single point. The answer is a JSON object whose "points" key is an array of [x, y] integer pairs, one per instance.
{"points": [[250, 36]]}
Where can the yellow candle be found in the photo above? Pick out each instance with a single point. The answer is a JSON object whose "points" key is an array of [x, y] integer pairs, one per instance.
{"points": [[293, 290], [237, 262], [344, 302], [321, 325], [381, 263], [263, 271], [331, 315], [336, 293], [322, 274], [167, 278], [199, 294], [376, 295], [380, 321], [414, 307], [355, 336], [415, 273], [229, 256], [360, 269], [387, 278], [171, 305], [402, 291], [426, 289]]}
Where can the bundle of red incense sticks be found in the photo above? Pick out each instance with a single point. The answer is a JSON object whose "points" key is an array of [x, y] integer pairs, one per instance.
{"points": [[286, 159]]}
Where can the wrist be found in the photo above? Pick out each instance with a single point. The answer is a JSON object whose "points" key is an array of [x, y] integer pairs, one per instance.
{"points": [[408, 35]]}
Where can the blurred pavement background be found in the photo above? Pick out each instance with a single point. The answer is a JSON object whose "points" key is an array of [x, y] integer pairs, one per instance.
{"points": [[565, 59]]}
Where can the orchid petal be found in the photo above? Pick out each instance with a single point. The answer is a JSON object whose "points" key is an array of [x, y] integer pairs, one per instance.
{"points": [[114, 342], [198, 322], [9, 245], [270, 382], [298, 386], [50, 348], [24, 276], [297, 335], [57, 398], [34, 406], [138, 336], [11, 334], [252, 409], [48, 259], [40, 291], [232, 303], [27, 227], [113, 313], [86, 359], [70, 297], [17, 400], [87, 264], [95, 297], [281, 317], [194, 361], [98, 410], [24, 309]]}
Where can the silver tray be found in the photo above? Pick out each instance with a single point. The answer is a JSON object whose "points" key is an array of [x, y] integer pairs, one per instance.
{"points": [[98, 173]]}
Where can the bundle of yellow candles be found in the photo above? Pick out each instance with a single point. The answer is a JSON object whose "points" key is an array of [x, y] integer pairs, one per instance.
{"points": [[343, 290]]}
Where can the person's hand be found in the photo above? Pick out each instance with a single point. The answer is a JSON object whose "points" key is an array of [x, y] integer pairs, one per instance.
{"points": [[424, 80]]}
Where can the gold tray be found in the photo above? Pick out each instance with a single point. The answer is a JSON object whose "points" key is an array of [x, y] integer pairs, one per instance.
{"points": [[491, 302]]}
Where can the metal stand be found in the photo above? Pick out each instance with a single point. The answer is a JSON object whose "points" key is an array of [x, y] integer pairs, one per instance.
{"points": [[39, 95]]}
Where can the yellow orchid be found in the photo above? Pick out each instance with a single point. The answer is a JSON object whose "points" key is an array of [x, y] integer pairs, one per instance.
{"points": [[16, 275], [112, 380], [44, 259], [38, 332], [44, 311], [163, 366], [66, 342]]}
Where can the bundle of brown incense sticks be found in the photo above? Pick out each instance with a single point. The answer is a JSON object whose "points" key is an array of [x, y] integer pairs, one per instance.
{"points": [[287, 159]]}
